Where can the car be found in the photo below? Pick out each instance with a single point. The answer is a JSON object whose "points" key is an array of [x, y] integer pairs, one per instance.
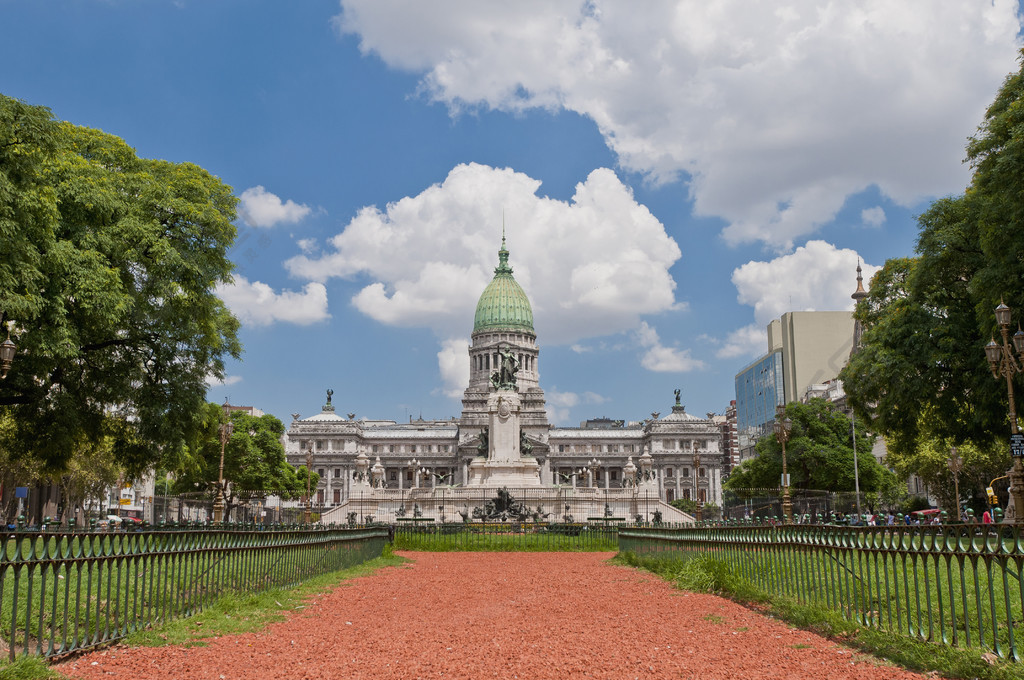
{"points": [[131, 520], [114, 519]]}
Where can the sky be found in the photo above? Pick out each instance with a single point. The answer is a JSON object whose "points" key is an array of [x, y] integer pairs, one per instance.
{"points": [[670, 175]]}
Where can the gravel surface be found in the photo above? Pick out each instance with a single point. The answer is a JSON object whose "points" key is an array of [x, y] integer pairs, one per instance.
{"points": [[504, 615]]}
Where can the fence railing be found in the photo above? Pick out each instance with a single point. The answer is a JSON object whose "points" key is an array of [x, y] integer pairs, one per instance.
{"points": [[65, 591], [507, 536], [960, 585]]}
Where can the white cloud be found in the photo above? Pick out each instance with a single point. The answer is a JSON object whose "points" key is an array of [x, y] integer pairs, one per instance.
{"points": [[775, 113], [815, 277], [228, 380], [660, 358], [260, 208], [591, 266], [453, 363], [749, 341], [559, 404], [257, 304], [873, 217], [307, 245]]}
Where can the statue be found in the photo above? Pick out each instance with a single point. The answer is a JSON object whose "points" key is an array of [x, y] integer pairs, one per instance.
{"points": [[525, 447], [330, 393], [483, 445], [678, 394], [505, 376]]}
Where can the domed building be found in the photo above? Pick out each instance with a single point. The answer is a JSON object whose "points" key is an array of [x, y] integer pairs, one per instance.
{"points": [[675, 456]]}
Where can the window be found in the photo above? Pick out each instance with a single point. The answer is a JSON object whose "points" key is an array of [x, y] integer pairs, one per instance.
{"points": [[337, 473], [669, 444], [561, 448], [394, 477], [408, 475], [686, 494], [337, 496], [412, 448], [320, 471], [319, 444], [376, 448], [686, 472], [669, 472], [628, 448], [320, 497], [615, 475], [391, 448], [702, 472]]}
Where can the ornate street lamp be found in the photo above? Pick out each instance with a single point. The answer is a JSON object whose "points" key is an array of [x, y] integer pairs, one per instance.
{"points": [[1003, 363], [226, 428], [7, 350], [783, 426], [308, 514], [696, 483]]}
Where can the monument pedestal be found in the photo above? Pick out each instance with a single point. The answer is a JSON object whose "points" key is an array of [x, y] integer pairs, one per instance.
{"points": [[504, 465]]}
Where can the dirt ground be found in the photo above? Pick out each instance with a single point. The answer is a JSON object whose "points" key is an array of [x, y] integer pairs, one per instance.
{"points": [[504, 615]]}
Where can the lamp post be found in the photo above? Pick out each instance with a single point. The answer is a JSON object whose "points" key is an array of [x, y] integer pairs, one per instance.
{"points": [[696, 482], [7, 350], [308, 515], [955, 464], [1003, 363], [783, 426], [226, 428]]}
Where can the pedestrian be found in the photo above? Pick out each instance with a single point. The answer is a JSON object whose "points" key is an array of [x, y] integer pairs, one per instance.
{"points": [[986, 517]]}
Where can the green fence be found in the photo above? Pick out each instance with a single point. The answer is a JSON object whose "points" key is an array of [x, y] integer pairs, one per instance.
{"points": [[62, 591], [507, 536], [959, 585]]}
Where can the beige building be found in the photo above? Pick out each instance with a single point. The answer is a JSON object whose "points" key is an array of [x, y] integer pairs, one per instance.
{"points": [[815, 346]]}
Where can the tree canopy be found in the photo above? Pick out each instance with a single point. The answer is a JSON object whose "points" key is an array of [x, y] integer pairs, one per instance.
{"points": [[921, 374], [107, 280], [254, 458], [819, 454]]}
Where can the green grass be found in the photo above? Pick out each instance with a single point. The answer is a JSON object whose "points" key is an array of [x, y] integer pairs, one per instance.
{"points": [[529, 539], [709, 574], [27, 668], [227, 615], [233, 614], [118, 586]]}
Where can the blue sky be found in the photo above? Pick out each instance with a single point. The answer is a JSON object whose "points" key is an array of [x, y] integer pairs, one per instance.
{"points": [[670, 179]]}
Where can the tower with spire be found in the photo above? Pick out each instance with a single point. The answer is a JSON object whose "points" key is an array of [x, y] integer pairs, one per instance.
{"points": [[858, 295]]}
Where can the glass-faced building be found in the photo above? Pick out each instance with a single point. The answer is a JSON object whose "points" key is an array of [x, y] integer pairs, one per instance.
{"points": [[759, 390]]}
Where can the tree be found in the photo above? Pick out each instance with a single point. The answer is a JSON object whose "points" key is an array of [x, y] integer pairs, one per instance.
{"points": [[921, 375], [254, 458], [819, 454], [107, 278]]}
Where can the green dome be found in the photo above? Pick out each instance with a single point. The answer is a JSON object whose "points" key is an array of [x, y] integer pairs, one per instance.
{"points": [[503, 305]]}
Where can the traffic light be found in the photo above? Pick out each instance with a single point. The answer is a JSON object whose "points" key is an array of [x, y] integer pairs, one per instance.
{"points": [[992, 498]]}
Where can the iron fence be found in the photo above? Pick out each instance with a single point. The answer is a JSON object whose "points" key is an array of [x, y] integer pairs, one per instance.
{"points": [[960, 585], [65, 591], [507, 536]]}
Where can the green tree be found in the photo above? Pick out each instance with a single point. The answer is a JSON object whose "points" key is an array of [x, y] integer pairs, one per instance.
{"points": [[922, 375], [254, 458], [819, 454], [107, 278]]}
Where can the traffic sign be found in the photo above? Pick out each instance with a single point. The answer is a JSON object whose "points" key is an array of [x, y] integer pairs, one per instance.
{"points": [[1017, 445], [125, 501]]}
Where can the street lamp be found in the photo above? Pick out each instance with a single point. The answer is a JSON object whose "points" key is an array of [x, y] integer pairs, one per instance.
{"points": [[1003, 363], [783, 426], [226, 428], [7, 350], [696, 482], [308, 514]]}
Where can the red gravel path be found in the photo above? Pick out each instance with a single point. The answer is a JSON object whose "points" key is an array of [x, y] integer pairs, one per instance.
{"points": [[503, 615]]}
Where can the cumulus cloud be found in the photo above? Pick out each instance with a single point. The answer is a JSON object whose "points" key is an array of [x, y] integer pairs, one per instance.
{"points": [[873, 217], [815, 277], [260, 208], [453, 363], [663, 359], [559, 404], [774, 112], [212, 381], [749, 341], [591, 266], [257, 304]]}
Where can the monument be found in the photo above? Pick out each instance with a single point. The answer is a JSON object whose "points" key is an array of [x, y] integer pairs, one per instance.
{"points": [[504, 459]]}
